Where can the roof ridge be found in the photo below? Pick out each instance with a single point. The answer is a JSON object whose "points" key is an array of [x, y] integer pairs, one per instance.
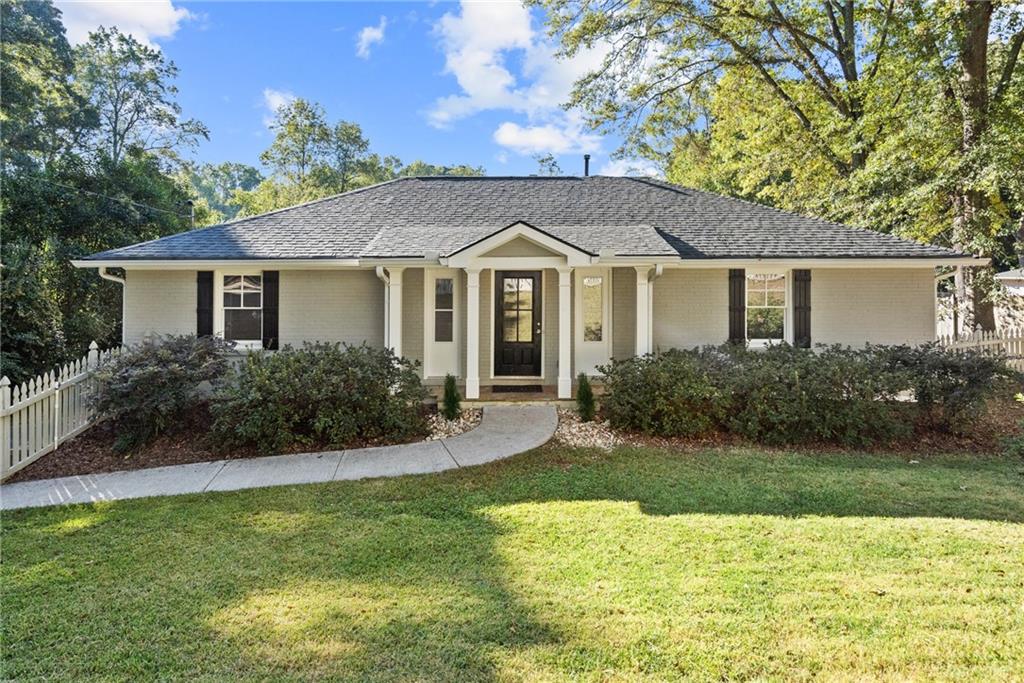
{"points": [[310, 202]]}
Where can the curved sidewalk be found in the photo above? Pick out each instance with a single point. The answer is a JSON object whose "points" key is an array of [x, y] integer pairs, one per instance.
{"points": [[504, 431]]}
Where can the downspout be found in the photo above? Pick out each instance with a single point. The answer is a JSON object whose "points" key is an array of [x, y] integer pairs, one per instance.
{"points": [[382, 274], [956, 303], [106, 275]]}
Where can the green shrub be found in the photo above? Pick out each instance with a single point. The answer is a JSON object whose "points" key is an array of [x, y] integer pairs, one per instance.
{"points": [[148, 388], [671, 394], [789, 395], [950, 388], [585, 398], [327, 395], [451, 403]]}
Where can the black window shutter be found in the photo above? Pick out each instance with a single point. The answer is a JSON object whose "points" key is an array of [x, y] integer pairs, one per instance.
{"points": [[204, 303], [737, 305], [271, 287], [802, 309]]}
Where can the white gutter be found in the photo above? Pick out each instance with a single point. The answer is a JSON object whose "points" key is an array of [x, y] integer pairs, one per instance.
{"points": [[124, 297]]}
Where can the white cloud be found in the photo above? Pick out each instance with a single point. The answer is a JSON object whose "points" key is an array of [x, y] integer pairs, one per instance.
{"points": [[502, 64], [631, 167], [146, 21], [547, 138], [370, 36], [274, 100]]}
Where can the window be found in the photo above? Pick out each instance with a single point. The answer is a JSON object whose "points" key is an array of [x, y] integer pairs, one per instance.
{"points": [[517, 305], [766, 307], [243, 308], [593, 308], [444, 306]]}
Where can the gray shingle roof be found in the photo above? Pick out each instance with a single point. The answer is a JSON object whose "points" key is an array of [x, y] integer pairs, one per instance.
{"points": [[628, 216]]}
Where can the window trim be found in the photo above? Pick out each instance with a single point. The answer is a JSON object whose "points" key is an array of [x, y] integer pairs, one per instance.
{"points": [[787, 307], [218, 305]]}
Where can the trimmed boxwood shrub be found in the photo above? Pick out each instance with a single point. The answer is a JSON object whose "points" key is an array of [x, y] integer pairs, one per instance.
{"points": [[676, 393], [149, 388], [330, 395], [789, 395], [950, 388], [782, 394]]}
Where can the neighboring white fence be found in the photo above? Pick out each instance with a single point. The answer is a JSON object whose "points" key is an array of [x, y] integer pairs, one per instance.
{"points": [[1009, 342], [38, 415]]}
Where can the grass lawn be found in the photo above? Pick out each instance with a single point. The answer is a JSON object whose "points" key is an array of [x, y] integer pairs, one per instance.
{"points": [[558, 564]]}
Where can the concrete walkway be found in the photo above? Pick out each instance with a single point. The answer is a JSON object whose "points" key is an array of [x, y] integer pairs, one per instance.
{"points": [[503, 431]]}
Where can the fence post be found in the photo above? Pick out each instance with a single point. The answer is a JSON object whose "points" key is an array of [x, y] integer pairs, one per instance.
{"points": [[5, 432], [94, 355], [55, 413]]}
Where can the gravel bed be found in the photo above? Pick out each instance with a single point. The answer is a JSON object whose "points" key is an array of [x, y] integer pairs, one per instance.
{"points": [[441, 428], [578, 434]]}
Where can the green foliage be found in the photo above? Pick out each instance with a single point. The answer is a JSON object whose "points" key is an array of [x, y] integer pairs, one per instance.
{"points": [[677, 393], [215, 184], [131, 87], [320, 395], [451, 402], [585, 404], [32, 335], [835, 394], [788, 395], [312, 159], [906, 118], [950, 389], [1014, 445], [147, 389], [90, 138]]}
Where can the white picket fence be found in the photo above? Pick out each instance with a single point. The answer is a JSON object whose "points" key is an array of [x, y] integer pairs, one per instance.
{"points": [[38, 415], [1009, 342]]}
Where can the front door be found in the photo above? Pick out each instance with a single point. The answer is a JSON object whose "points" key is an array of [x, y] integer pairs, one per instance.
{"points": [[517, 323]]}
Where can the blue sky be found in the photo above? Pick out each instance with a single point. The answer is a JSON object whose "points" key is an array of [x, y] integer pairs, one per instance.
{"points": [[445, 82]]}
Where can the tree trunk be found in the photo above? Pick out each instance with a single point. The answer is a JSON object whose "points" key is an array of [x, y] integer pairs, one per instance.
{"points": [[970, 204]]}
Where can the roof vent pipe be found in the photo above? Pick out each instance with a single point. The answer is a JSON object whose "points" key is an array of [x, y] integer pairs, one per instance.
{"points": [[586, 165]]}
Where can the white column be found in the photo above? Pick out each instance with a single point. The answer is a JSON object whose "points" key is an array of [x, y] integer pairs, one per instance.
{"points": [[472, 333], [643, 310], [564, 333], [395, 310]]}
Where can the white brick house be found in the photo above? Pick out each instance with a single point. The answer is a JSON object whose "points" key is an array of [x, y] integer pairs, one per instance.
{"points": [[529, 280]]}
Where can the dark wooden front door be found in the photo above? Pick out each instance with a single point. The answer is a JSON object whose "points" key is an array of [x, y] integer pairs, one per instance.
{"points": [[517, 322]]}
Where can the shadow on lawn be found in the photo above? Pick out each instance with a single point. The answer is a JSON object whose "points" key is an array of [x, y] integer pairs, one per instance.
{"points": [[389, 579]]}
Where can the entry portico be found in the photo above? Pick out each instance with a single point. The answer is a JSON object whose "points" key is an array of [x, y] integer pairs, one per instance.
{"points": [[518, 263]]}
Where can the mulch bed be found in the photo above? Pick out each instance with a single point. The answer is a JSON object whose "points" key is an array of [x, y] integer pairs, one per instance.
{"points": [[1002, 419], [92, 452]]}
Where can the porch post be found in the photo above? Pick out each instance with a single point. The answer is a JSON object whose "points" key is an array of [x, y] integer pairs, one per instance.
{"points": [[643, 310], [564, 333], [395, 310], [472, 333]]}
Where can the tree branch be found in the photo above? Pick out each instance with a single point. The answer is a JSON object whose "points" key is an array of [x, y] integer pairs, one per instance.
{"points": [[1011, 62]]}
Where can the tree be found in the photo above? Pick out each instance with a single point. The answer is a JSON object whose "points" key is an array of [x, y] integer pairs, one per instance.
{"points": [[881, 114], [66, 192], [215, 184], [41, 113], [547, 165], [131, 86], [311, 159], [422, 168], [347, 152], [301, 140]]}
